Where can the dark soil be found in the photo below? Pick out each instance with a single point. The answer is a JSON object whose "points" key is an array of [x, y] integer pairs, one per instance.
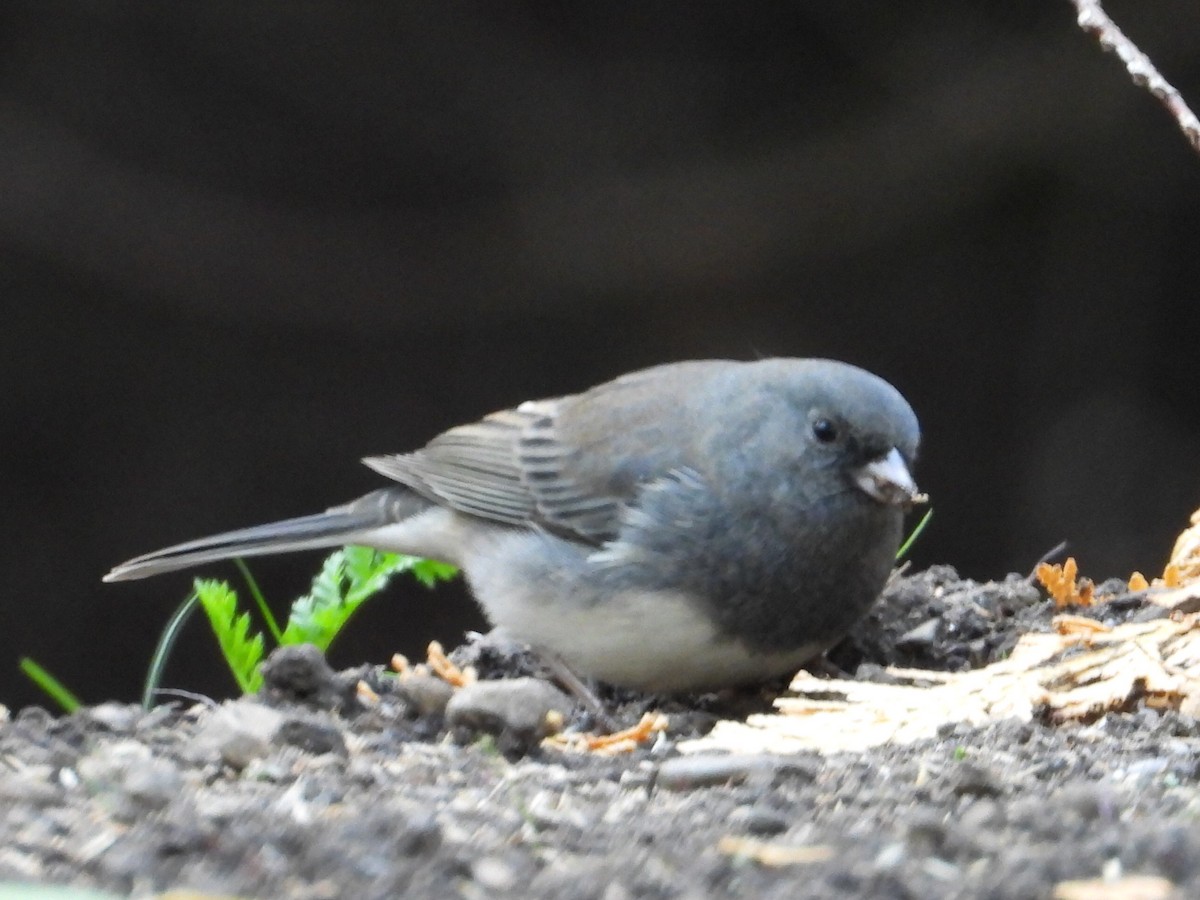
{"points": [[311, 790]]}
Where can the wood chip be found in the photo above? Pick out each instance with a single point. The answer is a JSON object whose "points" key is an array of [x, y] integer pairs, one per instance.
{"points": [[441, 666], [1132, 887], [771, 854], [366, 694], [1055, 677], [1182, 600], [1185, 556], [1061, 583], [1078, 625], [625, 741]]}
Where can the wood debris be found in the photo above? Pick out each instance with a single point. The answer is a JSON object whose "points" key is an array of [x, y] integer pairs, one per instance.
{"points": [[1184, 564], [1062, 584], [773, 855], [1080, 674], [1183, 568], [437, 663], [1068, 624], [625, 741], [1130, 887]]}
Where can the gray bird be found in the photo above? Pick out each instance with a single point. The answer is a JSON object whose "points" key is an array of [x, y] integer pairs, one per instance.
{"points": [[689, 526]]}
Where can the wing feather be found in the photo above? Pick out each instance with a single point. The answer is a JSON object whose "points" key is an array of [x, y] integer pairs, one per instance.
{"points": [[573, 465]]}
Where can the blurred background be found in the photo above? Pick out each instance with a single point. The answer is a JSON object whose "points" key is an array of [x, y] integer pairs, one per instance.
{"points": [[244, 244]]}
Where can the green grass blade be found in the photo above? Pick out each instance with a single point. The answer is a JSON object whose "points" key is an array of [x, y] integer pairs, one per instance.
{"points": [[51, 685], [166, 643], [263, 608], [916, 533]]}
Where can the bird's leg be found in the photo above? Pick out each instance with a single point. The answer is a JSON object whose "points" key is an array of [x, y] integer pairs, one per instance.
{"points": [[577, 687]]}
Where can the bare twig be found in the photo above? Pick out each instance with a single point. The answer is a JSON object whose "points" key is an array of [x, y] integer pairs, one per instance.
{"points": [[1053, 553], [1095, 21]]}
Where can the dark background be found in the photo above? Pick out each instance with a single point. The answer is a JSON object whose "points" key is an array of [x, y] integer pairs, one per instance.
{"points": [[243, 245]]}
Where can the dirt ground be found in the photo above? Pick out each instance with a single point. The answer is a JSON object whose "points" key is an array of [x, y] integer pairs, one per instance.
{"points": [[318, 790]]}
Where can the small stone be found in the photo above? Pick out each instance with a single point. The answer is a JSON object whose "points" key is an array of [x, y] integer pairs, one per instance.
{"points": [[891, 856], [153, 784], [553, 810], [926, 830], [983, 815], [685, 773], [240, 749], [494, 874], [119, 718], [35, 791], [299, 674], [970, 779], [131, 779], [1147, 768], [516, 711], [236, 732], [759, 819], [922, 636], [311, 736], [427, 694], [1086, 801]]}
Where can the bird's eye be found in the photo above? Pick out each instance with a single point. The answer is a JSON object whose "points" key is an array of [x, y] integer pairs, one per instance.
{"points": [[824, 431]]}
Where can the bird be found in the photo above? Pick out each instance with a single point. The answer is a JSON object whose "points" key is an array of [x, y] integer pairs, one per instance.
{"points": [[687, 527]]}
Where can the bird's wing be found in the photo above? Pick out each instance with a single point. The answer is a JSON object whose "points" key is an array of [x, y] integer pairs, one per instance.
{"points": [[472, 468], [571, 464]]}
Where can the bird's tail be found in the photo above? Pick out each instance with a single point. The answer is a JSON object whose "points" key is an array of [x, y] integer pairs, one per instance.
{"points": [[333, 528]]}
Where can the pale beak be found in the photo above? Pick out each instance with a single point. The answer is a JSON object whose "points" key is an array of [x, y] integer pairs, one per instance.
{"points": [[888, 480]]}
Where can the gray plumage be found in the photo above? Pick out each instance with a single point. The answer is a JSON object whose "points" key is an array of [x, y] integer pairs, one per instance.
{"points": [[688, 526]]}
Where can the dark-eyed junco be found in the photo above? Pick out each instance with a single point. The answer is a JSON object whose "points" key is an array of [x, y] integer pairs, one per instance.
{"points": [[690, 526]]}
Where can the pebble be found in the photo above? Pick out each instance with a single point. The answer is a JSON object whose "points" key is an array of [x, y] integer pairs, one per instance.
{"points": [[26, 788], [427, 694], [926, 830], [130, 777], [515, 711], [552, 809], [311, 736], [1147, 768], [922, 636], [984, 815], [973, 780], [891, 856], [759, 819], [494, 874], [237, 732], [240, 749], [1086, 800], [299, 673], [120, 718], [153, 784], [685, 773]]}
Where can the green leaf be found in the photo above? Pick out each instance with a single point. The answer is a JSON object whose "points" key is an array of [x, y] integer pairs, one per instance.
{"points": [[429, 571], [242, 651], [348, 578]]}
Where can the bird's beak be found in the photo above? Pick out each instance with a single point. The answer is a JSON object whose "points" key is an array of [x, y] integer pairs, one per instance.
{"points": [[888, 480]]}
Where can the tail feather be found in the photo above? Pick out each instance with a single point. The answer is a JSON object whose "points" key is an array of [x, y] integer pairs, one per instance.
{"points": [[333, 528]]}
